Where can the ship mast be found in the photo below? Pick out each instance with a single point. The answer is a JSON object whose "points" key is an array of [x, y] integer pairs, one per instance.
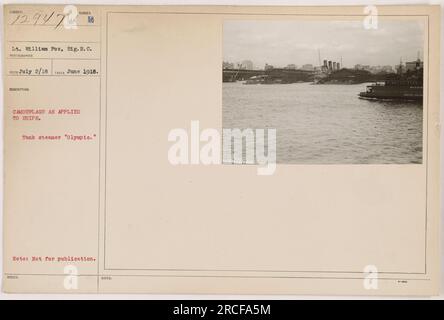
{"points": [[400, 67]]}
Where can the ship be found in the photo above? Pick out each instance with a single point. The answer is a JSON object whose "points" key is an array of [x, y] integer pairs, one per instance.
{"points": [[406, 85], [394, 90], [256, 79]]}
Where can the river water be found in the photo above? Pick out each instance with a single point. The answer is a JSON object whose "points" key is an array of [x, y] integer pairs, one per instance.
{"points": [[327, 124]]}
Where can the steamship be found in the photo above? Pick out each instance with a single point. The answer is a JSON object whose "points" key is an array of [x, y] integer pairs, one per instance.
{"points": [[406, 85], [394, 90]]}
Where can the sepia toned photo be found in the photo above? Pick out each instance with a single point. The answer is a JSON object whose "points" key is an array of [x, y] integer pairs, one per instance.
{"points": [[337, 92], [269, 151]]}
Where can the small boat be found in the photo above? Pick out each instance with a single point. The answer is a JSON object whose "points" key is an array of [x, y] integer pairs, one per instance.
{"points": [[256, 79]]}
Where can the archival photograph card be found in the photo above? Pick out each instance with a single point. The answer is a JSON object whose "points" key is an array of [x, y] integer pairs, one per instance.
{"points": [[221, 149]]}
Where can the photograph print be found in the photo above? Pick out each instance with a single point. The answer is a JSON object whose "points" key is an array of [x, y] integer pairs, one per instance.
{"points": [[334, 91]]}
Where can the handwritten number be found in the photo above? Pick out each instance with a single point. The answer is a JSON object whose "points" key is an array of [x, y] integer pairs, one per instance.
{"points": [[16, 19], [40, 18], [47, 18], [24, 19], [37, 17], [61, 20]]}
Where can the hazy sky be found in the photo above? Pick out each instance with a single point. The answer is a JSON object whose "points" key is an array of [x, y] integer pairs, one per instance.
{"points": [[297, 42]]}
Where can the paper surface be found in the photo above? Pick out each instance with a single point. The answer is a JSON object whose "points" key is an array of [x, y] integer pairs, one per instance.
{"points": [[95, 203]]}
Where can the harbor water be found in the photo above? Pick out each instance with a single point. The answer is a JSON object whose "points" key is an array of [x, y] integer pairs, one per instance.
{"points": [[327, 124]]}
